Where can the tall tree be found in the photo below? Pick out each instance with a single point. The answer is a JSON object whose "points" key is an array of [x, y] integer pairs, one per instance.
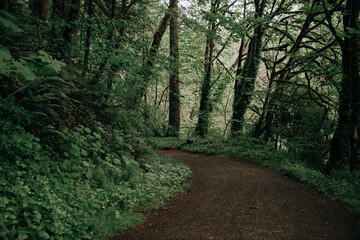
{"points": [[64, 25], [174, 98], [4, 5], [88, 36], [344, 144], [40, 8], [204, 111], [245, 86], [155, 45]]}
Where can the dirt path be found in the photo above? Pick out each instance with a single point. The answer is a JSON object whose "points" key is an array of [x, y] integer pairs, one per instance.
{"points": [[237, 199]]}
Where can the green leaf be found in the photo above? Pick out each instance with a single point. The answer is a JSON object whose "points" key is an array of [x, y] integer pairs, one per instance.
{"points": [[10, 25], [89, 174], [24, 71], [37, 215], [53, 64], [22, 236], [44, 235], [4, 53], [88, 130], [86, 164], [84, 153]]}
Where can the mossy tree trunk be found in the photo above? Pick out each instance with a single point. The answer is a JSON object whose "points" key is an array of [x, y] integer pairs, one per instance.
{"points": [[70, 28], [174, 98], [88, 36], [155, 45], [344, 144], [247, 77], [64, 26], [39, 7], [205, 108]]}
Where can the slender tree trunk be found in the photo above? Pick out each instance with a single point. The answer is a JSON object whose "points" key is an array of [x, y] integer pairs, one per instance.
{"points": [[159, 33], [102, 66], [142, 86], [204, 111], [258, 130], [354, 69], [45, 10], [174, 98], [58, 18], [242, 49], [4, 5], [64, 15], [248, 75], [40, 8], [87, 40], [70, 28], [344, 144]]}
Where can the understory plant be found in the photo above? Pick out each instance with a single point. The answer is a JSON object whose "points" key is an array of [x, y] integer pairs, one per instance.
{"points": [[88, 186]]}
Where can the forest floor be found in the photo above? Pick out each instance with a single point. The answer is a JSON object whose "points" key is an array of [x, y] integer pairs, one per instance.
{"points": [[232, 198]]}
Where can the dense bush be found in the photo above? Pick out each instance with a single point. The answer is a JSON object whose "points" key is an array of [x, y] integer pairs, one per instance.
{"points": [[89, 186]]}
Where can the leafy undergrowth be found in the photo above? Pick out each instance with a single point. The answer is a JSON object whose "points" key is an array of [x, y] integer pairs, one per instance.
{"points": [[165, 142], [341, 185], [88, 186]]}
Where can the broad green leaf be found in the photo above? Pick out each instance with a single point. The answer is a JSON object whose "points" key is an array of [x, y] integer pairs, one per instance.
{"points": [[44, 235], [22, 236], [24, 71], [84, 152], [10, 25], [88, 130], [53, 64], [4, 53], [89, 174], [86, 164]]}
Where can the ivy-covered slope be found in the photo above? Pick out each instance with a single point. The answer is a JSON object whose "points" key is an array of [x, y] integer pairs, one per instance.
{"points": [[73, 164], [86, 186]]}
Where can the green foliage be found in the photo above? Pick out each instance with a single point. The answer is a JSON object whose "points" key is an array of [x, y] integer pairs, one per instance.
{"points": [[165, 142], [89, 176], [73, 164]]}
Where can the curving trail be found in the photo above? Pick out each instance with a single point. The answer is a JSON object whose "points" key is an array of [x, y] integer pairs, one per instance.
{"points": [[233, 198]]}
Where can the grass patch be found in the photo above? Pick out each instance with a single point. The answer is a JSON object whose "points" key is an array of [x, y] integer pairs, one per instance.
{"points": [[165, 142]]}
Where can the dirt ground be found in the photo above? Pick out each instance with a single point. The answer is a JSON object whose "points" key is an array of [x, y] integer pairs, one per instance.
{"points": [[232, 198]]}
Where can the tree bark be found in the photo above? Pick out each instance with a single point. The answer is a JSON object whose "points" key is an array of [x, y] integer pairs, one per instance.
{"points": [[174, 98], [354, 69], [248, 75], [159, 33], [204, 111], [70, 27], [64, 16], [41, 9], [146, 73], [102, 66], [344, 144], [87, 40], [4, 5]]}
